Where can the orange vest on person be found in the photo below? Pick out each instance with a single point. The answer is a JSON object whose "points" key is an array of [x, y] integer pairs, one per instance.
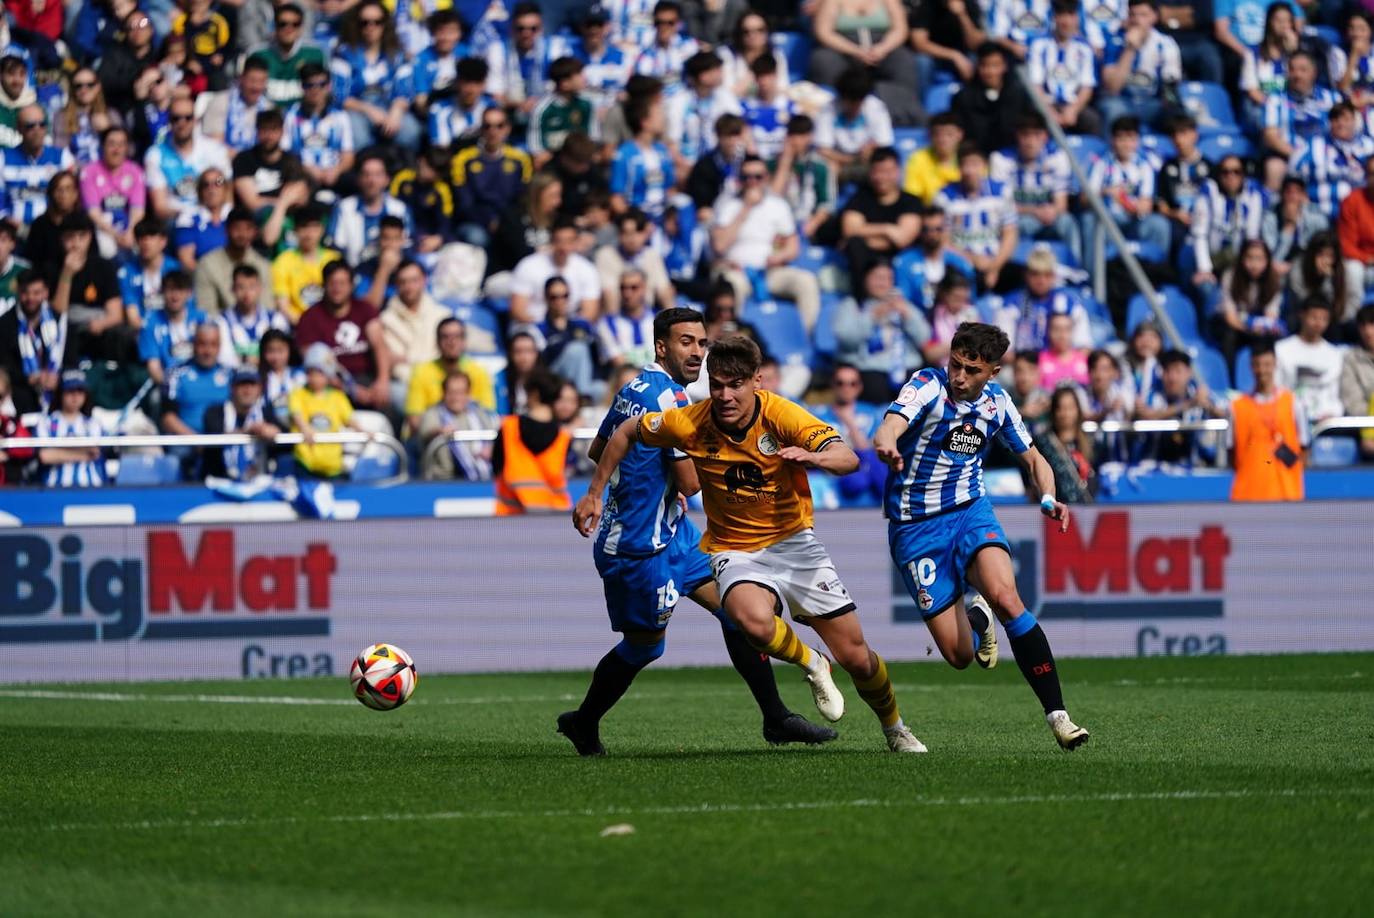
{"points": [[1258, 429], [531, 482]]}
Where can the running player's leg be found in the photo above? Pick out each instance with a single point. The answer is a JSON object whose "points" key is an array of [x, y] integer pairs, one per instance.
{"points": [[924, 552], [780, 725], [990, 571], [640, 598]]}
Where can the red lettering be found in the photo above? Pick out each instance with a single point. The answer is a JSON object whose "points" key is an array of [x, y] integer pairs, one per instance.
{"points": [[1175, 576], [258, 572], [1106, 556], [1213, 547], [318, 563], [208, 577]]}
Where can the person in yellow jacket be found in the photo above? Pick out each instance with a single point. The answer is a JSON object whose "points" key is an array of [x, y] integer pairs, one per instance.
{"points": [[298, 274], [1269, 436], [531, 453], [932, 168]]}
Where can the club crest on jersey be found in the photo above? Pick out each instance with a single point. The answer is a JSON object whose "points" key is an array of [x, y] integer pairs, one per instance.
{"points": [[924, 599], [655, 423], [965, 439], [907, 395], [767, 445]]}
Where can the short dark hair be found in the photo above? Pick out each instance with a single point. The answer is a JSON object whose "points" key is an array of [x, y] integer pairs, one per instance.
{"points": [[311, 70], [1126, 124], [307, 213], [800, 124], [736, 357], [1064, 6], [334, 267], [1030, 121], [564, 68], [952, 280], [1315, 302], [176, 280], [451, 320], [1030, 357], [882, 154], [990, 49], [371, 155], [643, 86], [854, 84], [1365, 316], [254, 63], [30, 276], [525, 8], [730, 125], [674, 315], [7, 228], [970, 148], [246, 270], [543, 384], [471, 70], [1262, 346], [440, 18], [149, 226], [764, 64], [270, 117], [699, 63], [240, 215], [635, 215], [1182, 122], [391, 221], [1173, 356], [946, 119], [562, 222], [1342, 107], [980, 340]]}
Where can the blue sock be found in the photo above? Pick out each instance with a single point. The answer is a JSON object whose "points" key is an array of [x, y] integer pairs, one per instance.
{"points": [[1020, 624]]}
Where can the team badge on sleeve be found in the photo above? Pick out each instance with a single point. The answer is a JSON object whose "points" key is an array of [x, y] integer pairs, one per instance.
{"points": [[655, 423], [907, 395], [767, 445]]}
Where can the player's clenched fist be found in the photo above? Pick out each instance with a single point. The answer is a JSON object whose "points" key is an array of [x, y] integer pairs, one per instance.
{"points": [[587, 514]]}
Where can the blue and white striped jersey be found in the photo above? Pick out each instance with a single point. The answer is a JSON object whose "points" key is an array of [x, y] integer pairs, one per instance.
{"points": [[872, 124], [642, 514], [1300, 118], [319, 140], [1267, 75], [1061, 71], [26, 180], [692, 119], [1223, 224], [629, 340], [1157, 63], [449, 122], [1103, 21], [1019, 20], [667, 63], [643, 177], [378, 82], [605, 73], [632, 21], [178, 172], [918, 276], [944, 445], [1332, 169], [976, 220], [768, 123], [1112, 178], [167, 340], [1037, 181], [73, 474]]}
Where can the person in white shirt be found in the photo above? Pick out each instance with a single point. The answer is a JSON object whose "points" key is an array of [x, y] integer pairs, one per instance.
{"points": [[853, 126], [627, 338], [755, 239], [1310, 365], [632, 250], [527, 304], [1062, 68], [1149, 67], [410, 325], [174, 165]]}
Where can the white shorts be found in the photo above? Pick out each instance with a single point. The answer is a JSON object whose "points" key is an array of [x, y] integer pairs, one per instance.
{"points": [[797, 570]]}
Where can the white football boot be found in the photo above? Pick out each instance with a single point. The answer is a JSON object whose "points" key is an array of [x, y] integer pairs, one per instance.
{"points": [[824, 691], [987, 651], [1068, 734], [901, 739]]}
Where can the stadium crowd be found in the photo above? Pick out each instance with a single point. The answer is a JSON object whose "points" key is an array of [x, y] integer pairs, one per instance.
{"points": [[391, 216]]}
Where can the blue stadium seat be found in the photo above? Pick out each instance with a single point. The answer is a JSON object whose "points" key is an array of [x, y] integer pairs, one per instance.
{"points": [[1245, 378], [989, 307], [475, 315], [782, 331], [1178, 307], [796, 47], [1334, 452], [829, 266], [1209, 103], [374, 468], [823, 335], [1210, 366], [1145, 251], [1160, 146], [144, 469], [1085, 148], [1218, 145], [938, 97], [909, 140]]}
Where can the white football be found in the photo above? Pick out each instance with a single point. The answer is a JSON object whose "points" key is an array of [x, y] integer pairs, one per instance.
{"points": [[383, 677]]}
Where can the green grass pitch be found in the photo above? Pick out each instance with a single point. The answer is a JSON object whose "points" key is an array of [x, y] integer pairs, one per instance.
{"points": [[1211, 786]]}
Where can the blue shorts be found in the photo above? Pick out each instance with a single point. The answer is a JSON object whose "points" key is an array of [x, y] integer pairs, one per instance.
{"points": [[934, 554], [641, 592]]}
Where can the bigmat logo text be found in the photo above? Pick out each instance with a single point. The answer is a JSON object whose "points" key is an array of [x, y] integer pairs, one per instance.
{"points": [[56, 591]]}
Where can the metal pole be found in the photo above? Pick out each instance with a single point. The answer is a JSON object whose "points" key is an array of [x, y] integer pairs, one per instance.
{"points": [[1104, 218]]}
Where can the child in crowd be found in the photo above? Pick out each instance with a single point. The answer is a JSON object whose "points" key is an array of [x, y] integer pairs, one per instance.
{"points": [[1061, 362]]}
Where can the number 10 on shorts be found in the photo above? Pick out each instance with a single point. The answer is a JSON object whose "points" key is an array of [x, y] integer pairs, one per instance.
{"points": [[923, 575]]}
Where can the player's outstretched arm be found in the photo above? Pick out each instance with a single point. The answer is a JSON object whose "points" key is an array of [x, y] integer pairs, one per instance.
{"points": [[834, 457], [885, 440], [587, 514], [1043, 476]]}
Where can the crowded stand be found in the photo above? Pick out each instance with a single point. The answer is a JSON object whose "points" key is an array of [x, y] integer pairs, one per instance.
{"points": [[400, 218]]}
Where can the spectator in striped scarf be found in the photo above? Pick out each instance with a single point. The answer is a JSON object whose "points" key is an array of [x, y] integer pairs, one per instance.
{"points": [[68, 466], [247, 412], [457, 411]]}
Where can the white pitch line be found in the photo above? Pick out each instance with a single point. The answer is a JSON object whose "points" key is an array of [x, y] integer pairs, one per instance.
{"points": [[709, 809]]}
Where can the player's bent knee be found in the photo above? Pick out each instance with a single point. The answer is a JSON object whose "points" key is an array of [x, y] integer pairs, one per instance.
{"points": [[640, 649], [855, 658], [1006, 603]]}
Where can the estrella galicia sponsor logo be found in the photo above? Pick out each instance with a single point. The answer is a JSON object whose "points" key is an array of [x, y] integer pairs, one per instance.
{"points": [[965, 439], [54, 591]]}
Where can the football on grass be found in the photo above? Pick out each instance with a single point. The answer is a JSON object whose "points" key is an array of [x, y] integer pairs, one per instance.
{"points": [[383, 677]]}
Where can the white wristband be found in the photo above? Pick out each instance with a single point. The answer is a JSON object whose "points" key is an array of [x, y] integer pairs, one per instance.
{"points": [[1047, 504]]}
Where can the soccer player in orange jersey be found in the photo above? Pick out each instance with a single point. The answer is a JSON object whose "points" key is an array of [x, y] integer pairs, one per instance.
{"points": [[751, 450]]}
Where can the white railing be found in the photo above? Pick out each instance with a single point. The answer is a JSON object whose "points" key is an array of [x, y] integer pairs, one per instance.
{"points": [[129, 441]]}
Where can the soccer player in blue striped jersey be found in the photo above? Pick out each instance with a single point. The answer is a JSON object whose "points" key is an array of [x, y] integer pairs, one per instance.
{"points": [[647, 551], [933, 439]]}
